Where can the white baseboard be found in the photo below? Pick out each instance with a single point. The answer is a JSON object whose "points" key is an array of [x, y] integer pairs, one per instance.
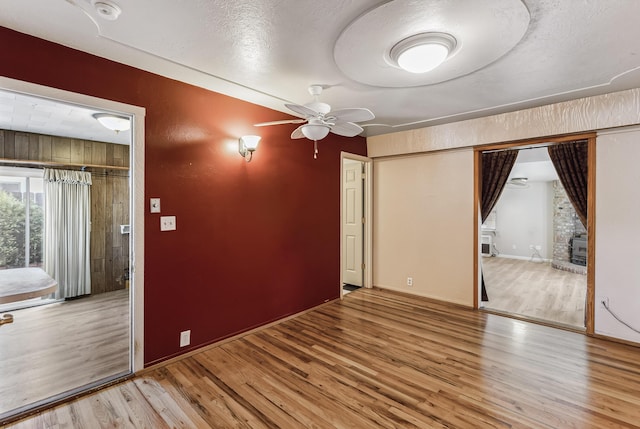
{"points": [[522, 258]]}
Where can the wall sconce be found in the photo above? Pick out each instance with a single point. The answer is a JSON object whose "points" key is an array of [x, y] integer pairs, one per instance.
{"points": [[247, 145], [115, 123]]}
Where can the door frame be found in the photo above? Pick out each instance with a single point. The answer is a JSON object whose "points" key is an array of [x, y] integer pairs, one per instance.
{"points": [[136, 197], [591, 215], [367, 257]]}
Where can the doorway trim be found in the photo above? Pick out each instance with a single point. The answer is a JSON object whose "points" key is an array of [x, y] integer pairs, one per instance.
{"points": [[136, 198], [591, 221], [368, 215]]}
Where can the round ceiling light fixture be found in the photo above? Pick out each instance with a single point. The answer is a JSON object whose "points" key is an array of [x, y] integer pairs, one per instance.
{"points": [[422, 52], [481, 36], [107, 9], [115, 123]]}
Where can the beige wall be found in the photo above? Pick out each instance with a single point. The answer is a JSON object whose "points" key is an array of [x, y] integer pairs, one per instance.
{"points": [[618, 232], [423, 225], [423, 201]]}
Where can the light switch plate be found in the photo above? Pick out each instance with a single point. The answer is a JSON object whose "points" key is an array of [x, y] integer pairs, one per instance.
{"points": [[154, 205], [167, 223]]}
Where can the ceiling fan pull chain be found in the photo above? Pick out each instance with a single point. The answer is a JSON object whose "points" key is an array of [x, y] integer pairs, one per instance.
{"points": [[315, 149]]}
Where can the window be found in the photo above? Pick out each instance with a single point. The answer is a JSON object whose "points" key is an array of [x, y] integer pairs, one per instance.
{"points": [[21, 217]]}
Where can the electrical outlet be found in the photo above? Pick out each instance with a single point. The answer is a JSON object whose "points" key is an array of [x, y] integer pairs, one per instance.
{"points": [[604, 302], [514, 247], [531, 247], [185, 338], [409, 281], [538, 247], [167, 223]]}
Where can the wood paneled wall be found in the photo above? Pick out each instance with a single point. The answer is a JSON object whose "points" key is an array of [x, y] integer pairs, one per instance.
{"points": [[109, 195]]}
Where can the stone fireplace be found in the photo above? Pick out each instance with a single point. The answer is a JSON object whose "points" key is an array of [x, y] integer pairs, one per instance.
{"points": [[566, 227]]}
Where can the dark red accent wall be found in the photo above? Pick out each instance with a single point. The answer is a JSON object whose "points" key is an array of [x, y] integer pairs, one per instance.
{"points": [[254, 242]]}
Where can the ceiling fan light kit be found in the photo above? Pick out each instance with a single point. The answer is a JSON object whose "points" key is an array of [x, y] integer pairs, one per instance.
{"points": [[315, 132]]}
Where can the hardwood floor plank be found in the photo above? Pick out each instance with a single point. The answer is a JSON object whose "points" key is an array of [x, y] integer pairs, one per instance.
{"points": [[379, 359], [535, 289], [344, 391], [171, 413], [277, 369], [202, 401], [60, 346]]}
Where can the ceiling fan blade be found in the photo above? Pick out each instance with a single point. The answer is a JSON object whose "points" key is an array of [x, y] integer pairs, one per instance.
{"points": [[297, 133], [284, 121], [350, 115], [347, 129], [302, 110]]}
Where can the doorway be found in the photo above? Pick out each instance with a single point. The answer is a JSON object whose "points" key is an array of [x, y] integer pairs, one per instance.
{"points": [[355, 224], [49, 343], [529, 236], [535, 257]]}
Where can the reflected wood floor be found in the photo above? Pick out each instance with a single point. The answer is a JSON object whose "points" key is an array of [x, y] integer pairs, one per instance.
{"points": [[535, 290], [52, 348], [379, 359]]}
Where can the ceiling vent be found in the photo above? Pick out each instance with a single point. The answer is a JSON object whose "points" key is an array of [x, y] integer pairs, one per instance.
{"points": [[107, 10]]}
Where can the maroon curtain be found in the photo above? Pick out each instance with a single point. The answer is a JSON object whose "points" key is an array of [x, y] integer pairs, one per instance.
{"points": [[571, 161], [495, 167]]}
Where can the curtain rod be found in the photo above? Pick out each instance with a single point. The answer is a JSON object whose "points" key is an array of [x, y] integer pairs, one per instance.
{"points": [[81, 167], [533, 146]]}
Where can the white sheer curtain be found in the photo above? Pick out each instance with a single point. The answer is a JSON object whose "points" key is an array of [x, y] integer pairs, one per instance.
{"points": [[67, 230]]}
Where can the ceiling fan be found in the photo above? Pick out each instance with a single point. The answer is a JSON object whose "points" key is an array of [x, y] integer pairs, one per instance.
{"points": [[319, 119], [518, 182]]}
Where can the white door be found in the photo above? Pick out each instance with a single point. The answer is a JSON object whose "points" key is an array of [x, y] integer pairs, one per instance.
{"points": [[352, 225]]}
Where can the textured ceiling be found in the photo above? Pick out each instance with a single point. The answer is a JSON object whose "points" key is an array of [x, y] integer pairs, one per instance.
{"points": [[535, 165], [268, 51], [21, 112]]}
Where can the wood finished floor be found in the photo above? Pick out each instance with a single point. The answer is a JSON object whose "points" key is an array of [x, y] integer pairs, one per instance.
{"points": [[535, 290], [50, 349], [379, 359]]}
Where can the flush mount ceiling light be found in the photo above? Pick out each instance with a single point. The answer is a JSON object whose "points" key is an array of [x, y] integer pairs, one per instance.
{"points": [[423, 52], [113, 122], [363, 51]]}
